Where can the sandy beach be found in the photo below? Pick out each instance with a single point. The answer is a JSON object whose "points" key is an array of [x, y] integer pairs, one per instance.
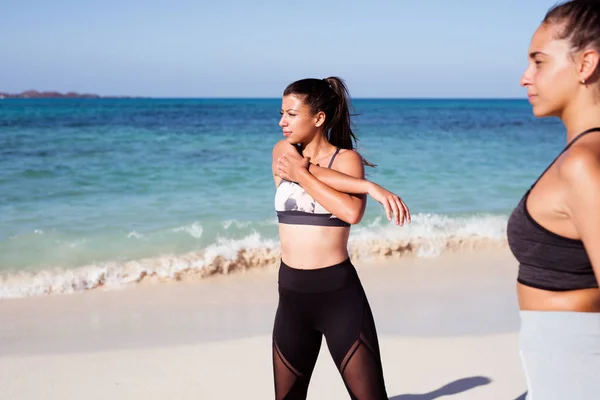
{"points": [[447, 326]]}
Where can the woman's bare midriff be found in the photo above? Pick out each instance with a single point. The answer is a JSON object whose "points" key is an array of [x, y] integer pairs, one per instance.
{"points": [[583, 300], [313, 247]]}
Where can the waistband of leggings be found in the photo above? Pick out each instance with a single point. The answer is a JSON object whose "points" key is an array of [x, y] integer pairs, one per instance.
{"points": [[318, 280]]}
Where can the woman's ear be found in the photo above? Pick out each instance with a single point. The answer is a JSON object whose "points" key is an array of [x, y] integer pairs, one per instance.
{"points": [[588, 65], [320, 119]]}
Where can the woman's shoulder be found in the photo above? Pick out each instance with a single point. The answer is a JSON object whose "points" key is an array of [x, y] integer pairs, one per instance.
{"points": [[281, 147], [283, 144], [349, 156], [581, 163]]}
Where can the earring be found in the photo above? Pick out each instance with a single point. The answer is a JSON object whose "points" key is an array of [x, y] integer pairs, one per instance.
{"points": [[583, 81]]}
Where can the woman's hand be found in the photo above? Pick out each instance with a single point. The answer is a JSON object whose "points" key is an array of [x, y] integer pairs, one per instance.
{"points": [[291, 165], [393, 204]]}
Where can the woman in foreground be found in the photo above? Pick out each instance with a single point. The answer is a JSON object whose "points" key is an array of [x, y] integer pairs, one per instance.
{"points": [[554, 232]]}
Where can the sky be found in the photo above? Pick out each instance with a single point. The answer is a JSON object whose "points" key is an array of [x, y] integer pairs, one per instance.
{"points": [[244, 48]]}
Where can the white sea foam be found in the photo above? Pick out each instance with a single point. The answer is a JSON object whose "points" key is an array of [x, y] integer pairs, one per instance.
{"points": [[428, 235]]}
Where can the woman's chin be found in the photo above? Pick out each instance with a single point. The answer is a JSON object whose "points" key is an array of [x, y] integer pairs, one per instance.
{"points": [[541, 112], [291, 141]]}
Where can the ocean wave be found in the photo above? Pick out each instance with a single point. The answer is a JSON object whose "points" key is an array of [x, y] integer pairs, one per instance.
{"points": [[195, 230], [429, 235]]}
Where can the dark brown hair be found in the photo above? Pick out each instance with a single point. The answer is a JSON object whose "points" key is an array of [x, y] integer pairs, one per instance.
{"points": [[580, 20]]}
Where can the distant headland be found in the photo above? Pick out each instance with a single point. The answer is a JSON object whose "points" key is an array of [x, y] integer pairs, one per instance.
{"points": [[34, 94]]}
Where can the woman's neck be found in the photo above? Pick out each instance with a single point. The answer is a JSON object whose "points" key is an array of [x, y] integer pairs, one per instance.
{"points": [[317, 148], [579, 116]]}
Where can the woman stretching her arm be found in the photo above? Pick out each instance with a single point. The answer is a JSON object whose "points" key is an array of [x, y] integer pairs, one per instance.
{"points": [[320, 293]]}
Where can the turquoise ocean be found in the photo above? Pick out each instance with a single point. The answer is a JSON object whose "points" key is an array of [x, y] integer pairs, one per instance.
{"points": [[105, 192]]}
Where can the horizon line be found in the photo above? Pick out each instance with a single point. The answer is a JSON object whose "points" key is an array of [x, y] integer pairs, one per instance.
{"points": [[136, 97]]}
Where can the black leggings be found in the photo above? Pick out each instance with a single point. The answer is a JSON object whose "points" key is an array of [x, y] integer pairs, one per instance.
{"points": [[328, 301]]}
